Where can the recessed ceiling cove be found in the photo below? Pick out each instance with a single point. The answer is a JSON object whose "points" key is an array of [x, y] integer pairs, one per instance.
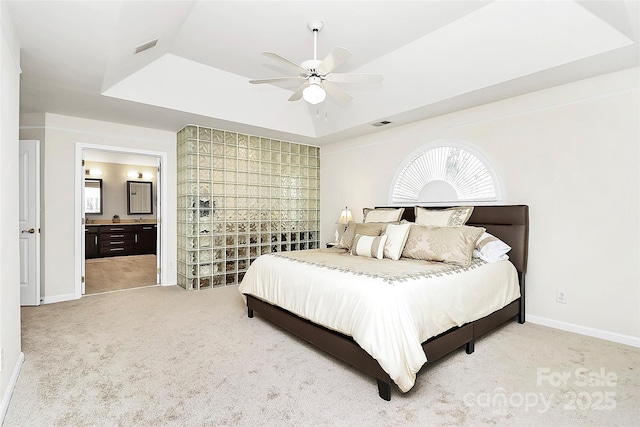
{"points": [[78, 58]]}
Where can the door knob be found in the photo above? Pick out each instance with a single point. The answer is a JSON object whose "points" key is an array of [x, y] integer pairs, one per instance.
{"points": [[30, 231]]}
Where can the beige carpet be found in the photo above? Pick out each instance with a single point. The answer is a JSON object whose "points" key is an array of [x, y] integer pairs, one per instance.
{"points": [[119, 272], [164, 356]]}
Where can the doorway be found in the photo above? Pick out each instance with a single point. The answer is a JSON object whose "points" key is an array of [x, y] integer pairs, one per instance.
{"points": [[121, 245]]}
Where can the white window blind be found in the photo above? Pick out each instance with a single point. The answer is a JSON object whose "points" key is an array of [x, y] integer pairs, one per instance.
{"points": [[463, 171]]}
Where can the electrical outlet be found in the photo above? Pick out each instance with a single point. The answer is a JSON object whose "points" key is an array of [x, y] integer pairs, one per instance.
{"points": [[561, 297]]}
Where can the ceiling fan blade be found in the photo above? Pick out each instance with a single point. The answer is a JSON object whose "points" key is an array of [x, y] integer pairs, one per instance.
{"points": [[336, 57], [298, 93], [275, 79], [354, 77], [283, 60], [336, 93]]}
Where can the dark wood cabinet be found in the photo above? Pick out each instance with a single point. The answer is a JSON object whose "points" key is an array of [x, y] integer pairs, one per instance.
{"points": [[120, 239], [91, 245], [146, 239], [116, 240]]}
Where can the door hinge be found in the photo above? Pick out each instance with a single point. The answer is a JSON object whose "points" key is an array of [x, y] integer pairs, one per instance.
{"points": [[82, 162], [159, 270], [82, 279]]}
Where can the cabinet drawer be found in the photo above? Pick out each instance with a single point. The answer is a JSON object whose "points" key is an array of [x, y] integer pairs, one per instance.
{"points": [[113, 228], [114, 250], [116, 240]]}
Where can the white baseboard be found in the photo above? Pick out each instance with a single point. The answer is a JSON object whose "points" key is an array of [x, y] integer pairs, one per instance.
{"points": [[59, 298], [6, 397], [583, 330]]}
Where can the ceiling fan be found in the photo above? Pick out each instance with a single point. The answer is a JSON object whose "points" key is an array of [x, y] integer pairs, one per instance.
{"points": [[317, 76]]}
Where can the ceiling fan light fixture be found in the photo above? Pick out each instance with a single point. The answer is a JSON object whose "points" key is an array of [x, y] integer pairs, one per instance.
{"points": [[314, 93]]}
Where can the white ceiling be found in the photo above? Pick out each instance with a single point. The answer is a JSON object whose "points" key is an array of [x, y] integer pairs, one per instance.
{"points": [[78, 58]]}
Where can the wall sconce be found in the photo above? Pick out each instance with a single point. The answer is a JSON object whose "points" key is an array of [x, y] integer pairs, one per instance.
{"points": [[139, 175], [93, 172]]}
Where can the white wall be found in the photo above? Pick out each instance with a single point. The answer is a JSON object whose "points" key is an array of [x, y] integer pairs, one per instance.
{"points": [[571, 153], [62, 134], [9, 255]]}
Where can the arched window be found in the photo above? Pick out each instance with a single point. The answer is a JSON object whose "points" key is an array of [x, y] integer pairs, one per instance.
{"points": [[445, 173]]}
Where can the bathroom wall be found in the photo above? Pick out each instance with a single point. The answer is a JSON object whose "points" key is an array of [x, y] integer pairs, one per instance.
{"points": [[114, 190]]}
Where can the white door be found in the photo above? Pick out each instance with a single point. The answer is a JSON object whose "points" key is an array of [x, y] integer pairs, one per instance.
{"points": [[83, 215], [29, 222], [158, 225]]}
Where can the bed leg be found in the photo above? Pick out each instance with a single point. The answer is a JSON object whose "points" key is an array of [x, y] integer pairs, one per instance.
{"points": [[250, 312], [522, 305], [470, 346], [384, 390]]}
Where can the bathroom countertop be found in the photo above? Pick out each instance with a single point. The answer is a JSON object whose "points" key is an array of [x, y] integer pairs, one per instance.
{"points": [[122, 222]]}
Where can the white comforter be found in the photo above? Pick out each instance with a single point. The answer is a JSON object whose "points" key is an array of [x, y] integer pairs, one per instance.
{"points": [[388, 307]]}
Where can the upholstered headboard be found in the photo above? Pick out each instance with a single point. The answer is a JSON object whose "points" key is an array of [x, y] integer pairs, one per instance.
{"points": [[508, 223]]}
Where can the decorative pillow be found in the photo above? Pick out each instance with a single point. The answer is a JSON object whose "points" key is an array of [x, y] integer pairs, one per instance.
{"points": [[353, 228], [397, 237], [491, 249], [369, 246], [450, 217], [453, 245], [382, 214]]}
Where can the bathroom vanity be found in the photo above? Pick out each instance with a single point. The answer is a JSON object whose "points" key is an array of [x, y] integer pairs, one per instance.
{"points": [[119, 239]]}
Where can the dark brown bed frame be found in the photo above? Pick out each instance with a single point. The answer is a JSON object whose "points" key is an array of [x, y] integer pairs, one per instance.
{"points": [[508, 223]]}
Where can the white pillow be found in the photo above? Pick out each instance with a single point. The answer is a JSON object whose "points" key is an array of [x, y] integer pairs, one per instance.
{"points": [[369, 246], [397, 237], [491, 249], [450, 217], [382, 214]]}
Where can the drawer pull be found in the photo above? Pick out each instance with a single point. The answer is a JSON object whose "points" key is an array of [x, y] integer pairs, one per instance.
{"points": [[116, 249], [147, 228], [116, 236], [116, 229], [116, 243]]}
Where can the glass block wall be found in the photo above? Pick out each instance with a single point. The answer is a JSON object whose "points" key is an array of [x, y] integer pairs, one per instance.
{"points": [[240, 196]]}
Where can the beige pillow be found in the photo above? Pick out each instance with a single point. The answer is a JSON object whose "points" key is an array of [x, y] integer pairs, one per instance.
{"points": [[450, 217], [353, 228], [369, 246], [453, 245], [382, 214]]}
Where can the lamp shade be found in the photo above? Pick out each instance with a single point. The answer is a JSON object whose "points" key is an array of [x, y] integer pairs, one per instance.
{"points": [[345, 217], [314, 93]]}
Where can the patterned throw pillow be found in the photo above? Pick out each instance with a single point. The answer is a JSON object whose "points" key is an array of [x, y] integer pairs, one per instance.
{"points": [[450, 217], [353, 228], [382, 214], [453, 245], [369, 246]]}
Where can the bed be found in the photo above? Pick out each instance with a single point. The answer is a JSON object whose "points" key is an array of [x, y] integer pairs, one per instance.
{"points": [[394, 350]]}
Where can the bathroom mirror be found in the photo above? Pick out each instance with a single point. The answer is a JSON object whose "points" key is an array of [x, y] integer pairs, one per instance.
{"points": [[93, 196], [139, 197]]}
